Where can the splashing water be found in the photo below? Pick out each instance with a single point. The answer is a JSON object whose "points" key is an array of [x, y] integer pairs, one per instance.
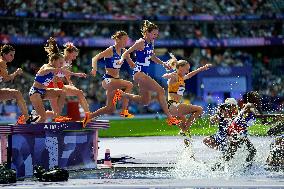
{"points": [[190, 167], [181, 169]]}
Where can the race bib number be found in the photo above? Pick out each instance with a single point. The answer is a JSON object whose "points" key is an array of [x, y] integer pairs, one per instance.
{"points": [[146, 62], [60, 74], [107, 80], [116, 65], [181, 91], [137, 68]]}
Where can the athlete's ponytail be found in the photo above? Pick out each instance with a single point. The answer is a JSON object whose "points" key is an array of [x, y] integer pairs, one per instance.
{"points": [[173, 61], [175, 64], [52, 49], [70, 47], [51, 46], [148, 27]]}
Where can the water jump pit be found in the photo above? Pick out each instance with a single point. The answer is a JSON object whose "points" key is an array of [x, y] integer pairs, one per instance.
{"points": [[160, 162]]}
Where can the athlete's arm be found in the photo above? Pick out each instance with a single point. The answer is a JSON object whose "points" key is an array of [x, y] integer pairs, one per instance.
{"points": [[8, 77], [68, 79], [159, 61], [193, 73], [105, 54], [250, 108], [79, 74], [130, 61], [138, 45], [46, 69], [172, 76], [156, 59]]}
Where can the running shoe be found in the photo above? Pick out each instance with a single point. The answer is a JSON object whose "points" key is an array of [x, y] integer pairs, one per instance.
{"points": [[173, 121], [21, 120], [62, 119], [126, 114]]}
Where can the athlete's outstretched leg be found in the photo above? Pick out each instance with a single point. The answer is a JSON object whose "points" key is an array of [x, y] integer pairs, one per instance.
{"points": [[9, 94]]}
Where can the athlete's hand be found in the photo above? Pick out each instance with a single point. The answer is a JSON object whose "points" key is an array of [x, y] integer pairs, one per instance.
{"points": [[19, 71], [209, 65], [206, 67], [167, 66], [94, 72], [132, 65], [120, 62], [81, 75]]}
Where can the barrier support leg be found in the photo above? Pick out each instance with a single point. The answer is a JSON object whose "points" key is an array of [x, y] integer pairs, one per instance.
{"points": [[95, 144], [3, 140], [9, 151]]}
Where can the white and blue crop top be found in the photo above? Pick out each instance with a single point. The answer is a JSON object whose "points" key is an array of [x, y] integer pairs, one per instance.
{"points": [[44, 79], [143, 57], [112, 61]]}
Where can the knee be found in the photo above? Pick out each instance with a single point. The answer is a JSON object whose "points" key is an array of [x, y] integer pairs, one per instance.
{"points": [[80, 93], [199, 110], [129, 86], [17, 94]]}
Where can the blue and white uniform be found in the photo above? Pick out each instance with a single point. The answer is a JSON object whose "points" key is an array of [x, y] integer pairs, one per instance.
{"points": [[112, 63], [143, 58], [240, 124], [221, 137], [44, 80]]}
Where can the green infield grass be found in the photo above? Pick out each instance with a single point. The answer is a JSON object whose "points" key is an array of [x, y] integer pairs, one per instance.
{"points": [[158, 127]]}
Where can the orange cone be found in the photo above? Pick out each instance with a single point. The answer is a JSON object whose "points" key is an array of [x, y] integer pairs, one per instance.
{"points": [[107, 160]]}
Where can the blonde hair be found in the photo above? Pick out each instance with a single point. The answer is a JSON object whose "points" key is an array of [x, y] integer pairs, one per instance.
{"points": [[148, 27], [118, 35], [52, 49], [70, 47], [175, 64]]}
